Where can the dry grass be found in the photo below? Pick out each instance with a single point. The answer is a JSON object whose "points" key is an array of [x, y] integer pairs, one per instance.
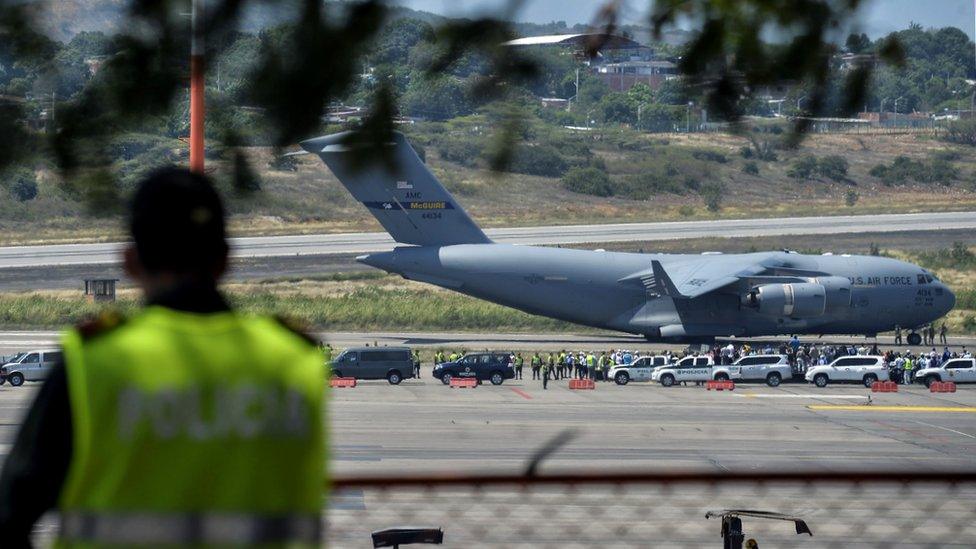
{"points": [[311, 200]]}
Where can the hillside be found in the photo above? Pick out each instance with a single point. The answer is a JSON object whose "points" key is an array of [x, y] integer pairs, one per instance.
{"points": [[310, 199]]}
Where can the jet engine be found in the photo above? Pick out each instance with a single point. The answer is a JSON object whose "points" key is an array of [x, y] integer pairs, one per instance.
{"points": [[797, 300]]}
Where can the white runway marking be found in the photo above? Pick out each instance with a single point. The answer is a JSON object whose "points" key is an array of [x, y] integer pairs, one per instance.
{"points": [[753, 395], [945, 429]]}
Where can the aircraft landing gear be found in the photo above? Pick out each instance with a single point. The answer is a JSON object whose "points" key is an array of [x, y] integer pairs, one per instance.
{"points": [[914, 339]]}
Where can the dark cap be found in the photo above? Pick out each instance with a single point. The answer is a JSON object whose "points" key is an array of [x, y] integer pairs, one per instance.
{"points": [[177, 223]]}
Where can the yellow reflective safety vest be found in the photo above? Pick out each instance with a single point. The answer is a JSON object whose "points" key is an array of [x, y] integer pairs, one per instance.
{"points": [[194, 429]]}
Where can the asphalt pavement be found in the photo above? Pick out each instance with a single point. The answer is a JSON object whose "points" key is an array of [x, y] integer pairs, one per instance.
{"points": [[352, 243]]}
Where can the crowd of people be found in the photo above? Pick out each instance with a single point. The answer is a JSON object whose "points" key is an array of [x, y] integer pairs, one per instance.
{"points": [[596, 365]]}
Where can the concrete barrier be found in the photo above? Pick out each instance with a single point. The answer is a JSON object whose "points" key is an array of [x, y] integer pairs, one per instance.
{"points": [[342, 382]]}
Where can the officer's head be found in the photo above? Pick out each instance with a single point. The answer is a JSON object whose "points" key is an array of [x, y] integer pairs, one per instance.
{"points": [[177, 226]]}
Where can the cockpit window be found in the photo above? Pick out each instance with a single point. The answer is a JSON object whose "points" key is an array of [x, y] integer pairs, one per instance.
{"points": [[925, 278]]}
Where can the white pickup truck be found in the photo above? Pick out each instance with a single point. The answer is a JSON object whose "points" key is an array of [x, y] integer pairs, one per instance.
{"points": [[957, 370], [849, 369], [772, 369], [689, 368], [638, 370]]}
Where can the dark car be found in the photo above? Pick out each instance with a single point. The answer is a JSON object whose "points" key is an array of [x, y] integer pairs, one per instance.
{"points": [[493, 367]]}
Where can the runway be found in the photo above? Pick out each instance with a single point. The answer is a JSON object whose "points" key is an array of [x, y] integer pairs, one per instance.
{"points": [[422, 427], [22, 340], [353, 243]]}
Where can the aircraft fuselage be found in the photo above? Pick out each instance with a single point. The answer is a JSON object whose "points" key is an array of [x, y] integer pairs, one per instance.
{"points": [[586, 287]]}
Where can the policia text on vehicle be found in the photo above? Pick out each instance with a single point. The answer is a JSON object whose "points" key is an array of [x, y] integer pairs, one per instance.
{"points": [[187, 424]]}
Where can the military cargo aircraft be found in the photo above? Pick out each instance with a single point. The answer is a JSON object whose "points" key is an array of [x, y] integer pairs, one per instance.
{"points": [[664, 297]]}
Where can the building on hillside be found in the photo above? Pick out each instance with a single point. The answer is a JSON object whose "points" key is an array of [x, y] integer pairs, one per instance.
{"points": [[624, 75], [554, 103]]}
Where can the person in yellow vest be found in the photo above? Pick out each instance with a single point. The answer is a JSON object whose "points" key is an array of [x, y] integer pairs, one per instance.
{"points": [[551, 361], [536, 364], [187, 424], [545, 375], [519, 363], [591, 366]]}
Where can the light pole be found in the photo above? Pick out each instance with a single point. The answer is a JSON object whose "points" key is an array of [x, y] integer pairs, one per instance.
{"points": [[197, 89], [881, 108], [896, 109], [799, 100], [688, 120]]}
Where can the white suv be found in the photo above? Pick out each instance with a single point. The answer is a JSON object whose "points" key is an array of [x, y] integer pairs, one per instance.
{"points": [[772, 369], [957, 370], [689, 368], [29, 366], [638, 370], [849, 369]]}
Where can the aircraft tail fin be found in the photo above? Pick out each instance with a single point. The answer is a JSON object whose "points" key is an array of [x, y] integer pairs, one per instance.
{"points": [[400, 192]]}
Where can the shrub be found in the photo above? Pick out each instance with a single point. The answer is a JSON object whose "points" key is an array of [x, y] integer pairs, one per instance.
{"points": [[590, 181], [712, 193], [750, 168], [938, 170], [463, 150], [22, 183], [746, 152], [803, 168], [686, 211], [541, 160], [648, 183], [710, 156], [833, 167], [851, 197], [283, 163], [962, 132]]}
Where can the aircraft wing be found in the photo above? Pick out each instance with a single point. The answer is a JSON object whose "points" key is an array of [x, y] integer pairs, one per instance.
{"points": [[696, 277]]}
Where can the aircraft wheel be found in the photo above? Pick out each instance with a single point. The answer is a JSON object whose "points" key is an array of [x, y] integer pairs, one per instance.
{"points": [[621, 378], [914, 339]]}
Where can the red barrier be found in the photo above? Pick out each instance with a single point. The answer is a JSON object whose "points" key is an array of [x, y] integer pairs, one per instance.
{"points": [[876, 387], [342, 382], [578, 384], [890, 387], [463, 382], [942, 387], [721, 385]]}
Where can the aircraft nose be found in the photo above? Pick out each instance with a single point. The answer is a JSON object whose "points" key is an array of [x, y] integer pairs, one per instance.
{"points": [[948, 299]]}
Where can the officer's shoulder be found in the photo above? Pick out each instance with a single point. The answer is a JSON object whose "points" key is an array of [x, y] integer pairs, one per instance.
{"points": [[99, 325], [297, 328]]}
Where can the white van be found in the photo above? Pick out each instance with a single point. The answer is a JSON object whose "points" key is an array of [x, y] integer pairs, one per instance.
{"points": [[29, 366]]}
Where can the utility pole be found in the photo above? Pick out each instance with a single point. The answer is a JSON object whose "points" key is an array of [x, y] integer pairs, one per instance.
{"points": [[197, 87]]}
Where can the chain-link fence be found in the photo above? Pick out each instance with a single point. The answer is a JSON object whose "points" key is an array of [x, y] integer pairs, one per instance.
{"points": [[841, 510]]}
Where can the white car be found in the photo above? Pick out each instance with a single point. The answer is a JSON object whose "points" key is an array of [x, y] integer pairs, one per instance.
{"points": [[772, 369], [849, 369], [29, 366], [638, 370], [690, 368], [957, 370]]}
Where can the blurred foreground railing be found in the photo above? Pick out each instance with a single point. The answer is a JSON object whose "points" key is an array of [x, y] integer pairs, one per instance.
{"points": [[661, 510]]}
